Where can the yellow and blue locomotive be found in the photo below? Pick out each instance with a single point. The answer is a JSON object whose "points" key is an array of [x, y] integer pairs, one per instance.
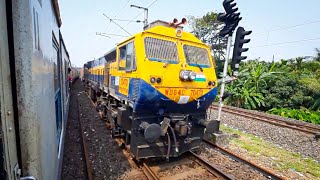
{"points": [[155, 88]]}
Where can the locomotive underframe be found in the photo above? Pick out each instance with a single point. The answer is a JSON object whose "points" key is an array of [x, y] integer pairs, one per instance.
{"points": [[126, 124], [175, 141]]}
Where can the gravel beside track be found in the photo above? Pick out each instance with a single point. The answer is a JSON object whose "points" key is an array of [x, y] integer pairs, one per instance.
{"points": [[228, 165], [280, 118], [106, 158], [283, 137], [73, 166]]}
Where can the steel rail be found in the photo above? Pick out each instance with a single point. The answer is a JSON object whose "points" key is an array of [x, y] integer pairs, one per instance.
{"points": [[212, 168], [315, 128], [270, 117], [238, 158], [84, 146], [274, 121], [148, 172]]}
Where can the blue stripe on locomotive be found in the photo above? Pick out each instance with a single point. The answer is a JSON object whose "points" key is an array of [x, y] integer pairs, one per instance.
{"points": [[96, 78], [146, 98]]}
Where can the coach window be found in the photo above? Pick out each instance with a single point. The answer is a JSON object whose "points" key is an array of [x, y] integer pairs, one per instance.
{"points": [[127, 58]]}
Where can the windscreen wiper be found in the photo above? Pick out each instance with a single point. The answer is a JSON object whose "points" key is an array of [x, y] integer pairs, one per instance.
{"points": [[199, 67]]}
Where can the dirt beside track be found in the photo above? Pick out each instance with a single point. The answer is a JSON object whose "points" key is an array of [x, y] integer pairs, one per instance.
{"points": [[73, 166], [106, 157]]}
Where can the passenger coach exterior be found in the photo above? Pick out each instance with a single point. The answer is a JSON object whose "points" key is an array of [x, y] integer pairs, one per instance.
{"points": [[34, 103]]}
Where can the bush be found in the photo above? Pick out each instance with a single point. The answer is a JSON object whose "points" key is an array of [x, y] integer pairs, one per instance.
{"points": [[299, 114]]}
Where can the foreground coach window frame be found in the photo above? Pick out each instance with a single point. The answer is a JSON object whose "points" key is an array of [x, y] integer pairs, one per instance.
{"points": [[127, 57]]}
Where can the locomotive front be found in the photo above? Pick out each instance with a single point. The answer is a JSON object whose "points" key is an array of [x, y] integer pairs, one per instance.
{"points": [[164, 94]]}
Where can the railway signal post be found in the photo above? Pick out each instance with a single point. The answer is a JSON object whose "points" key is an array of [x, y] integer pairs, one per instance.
{"points": [[231, 19]]}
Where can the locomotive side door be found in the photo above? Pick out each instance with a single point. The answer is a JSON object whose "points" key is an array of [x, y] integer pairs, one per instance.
{"points": [[8, 146], [106, 74]]}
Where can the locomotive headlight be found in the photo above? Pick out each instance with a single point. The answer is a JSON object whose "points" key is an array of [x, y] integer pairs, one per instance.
{"points": [[152, 80], [192, 76], [159, 80], [184, 75]]}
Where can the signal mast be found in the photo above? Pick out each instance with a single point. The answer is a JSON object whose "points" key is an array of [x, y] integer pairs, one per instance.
{"points": [[231, 19]]}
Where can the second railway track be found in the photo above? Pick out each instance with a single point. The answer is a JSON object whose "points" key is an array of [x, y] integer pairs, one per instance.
{"points": [[306, 128], [267, 173]]}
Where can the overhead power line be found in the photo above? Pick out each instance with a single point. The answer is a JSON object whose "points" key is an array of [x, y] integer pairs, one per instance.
{"points": [[289, 27], [287, 42], [106, 34], [122, 9], [126, 20], [140, 13], [117, 24], [133, 20], [297, 25]]}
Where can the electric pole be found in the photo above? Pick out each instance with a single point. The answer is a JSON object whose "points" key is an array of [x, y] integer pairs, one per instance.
{"points": [[145, 22]]}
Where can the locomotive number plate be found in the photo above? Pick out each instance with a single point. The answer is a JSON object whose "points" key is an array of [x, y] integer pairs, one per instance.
{"points": [[183, 92]]}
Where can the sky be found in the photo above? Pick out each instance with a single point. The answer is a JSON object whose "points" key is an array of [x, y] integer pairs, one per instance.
{"points": [[281, 29]]}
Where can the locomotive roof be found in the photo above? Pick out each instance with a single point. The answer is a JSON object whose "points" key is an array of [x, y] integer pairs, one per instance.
{"points": [[165, 30]]}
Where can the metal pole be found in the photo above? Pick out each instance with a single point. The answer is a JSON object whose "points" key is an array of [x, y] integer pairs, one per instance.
{"points": [[145, 22], [145, 17], [225, 69]]}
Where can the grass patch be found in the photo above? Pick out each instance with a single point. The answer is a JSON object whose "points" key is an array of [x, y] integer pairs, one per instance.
{"points": [[283, 159]]}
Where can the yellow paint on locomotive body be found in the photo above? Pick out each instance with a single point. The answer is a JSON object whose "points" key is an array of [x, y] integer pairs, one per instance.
{"points": [[171, 85], [97, 70]]}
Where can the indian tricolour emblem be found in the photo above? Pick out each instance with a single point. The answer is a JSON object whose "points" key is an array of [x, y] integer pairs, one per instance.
{"points": [[200, 77]]}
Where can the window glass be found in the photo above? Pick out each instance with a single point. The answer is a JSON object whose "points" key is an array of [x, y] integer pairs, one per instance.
{"points": [[129, 57], [161, 50], [66, 76], [126, 55], [55, 68], [196, 56], [122, 58]]}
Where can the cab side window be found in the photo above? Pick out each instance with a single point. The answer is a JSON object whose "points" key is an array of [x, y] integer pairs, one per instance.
{"points": [[122, 58], [127, 60]]}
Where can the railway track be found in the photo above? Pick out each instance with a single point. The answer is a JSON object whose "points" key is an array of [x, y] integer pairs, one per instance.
{"points": [[84, 146], [200, 167], [306, 128], [269, 174], [151, 172]]}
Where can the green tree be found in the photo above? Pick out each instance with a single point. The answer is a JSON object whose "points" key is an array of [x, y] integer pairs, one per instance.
{"points": [[259, 73], [244, 90], [317, 57], [244, 96], [206, 28], [313, 84]]}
